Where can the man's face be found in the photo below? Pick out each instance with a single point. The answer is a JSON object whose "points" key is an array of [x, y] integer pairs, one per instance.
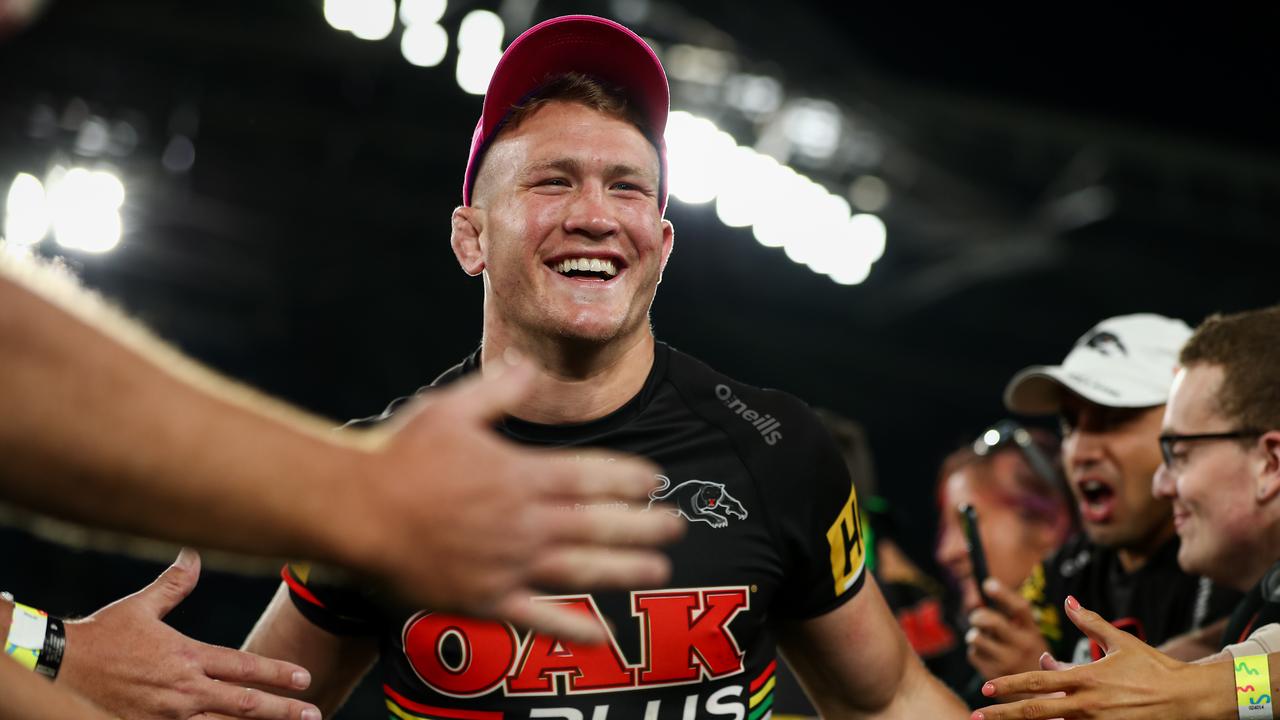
{"points": [[571, 240], [1210, 482], [1110, 456]]}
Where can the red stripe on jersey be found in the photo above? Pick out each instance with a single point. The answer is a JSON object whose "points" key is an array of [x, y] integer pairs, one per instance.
{"points": [[764, 676], [298, 588], [408, 704]]}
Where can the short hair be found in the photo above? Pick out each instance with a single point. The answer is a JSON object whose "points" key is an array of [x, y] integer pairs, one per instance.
{"points": [[1247, 347], [583, 89]]}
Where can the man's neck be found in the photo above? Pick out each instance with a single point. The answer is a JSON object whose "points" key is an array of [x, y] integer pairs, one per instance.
{"points": [[1134, 557], [577, 382]]}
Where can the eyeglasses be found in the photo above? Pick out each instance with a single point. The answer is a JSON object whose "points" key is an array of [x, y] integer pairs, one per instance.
{"points": [[1168, 440], [1009, 432]]}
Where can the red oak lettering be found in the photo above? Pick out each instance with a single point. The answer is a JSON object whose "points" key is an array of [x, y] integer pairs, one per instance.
{"points": [[488, 648], [684, 633], [687, 632], [589, 667]]}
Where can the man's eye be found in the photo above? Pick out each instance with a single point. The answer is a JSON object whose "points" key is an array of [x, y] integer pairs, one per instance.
{"points": [[556, 182]]}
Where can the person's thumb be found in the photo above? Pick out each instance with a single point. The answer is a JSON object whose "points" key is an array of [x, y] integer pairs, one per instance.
{"points": [[174, 584], [485, 399]]}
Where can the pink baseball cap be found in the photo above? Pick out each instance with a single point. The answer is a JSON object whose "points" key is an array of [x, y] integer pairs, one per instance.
{"points": [[586, 44]]}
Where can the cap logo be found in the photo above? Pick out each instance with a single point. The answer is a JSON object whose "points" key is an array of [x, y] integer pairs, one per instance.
{"points": [[1105, 342]]}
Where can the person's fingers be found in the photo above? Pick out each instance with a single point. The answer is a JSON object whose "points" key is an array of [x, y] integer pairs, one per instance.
{"points": [[1049, 662], [242, 668], [993, 624], [1008, 601], [598, 474], [549, 619], [250, 704], [586, 567], [1038, 708], [1108, 637], [985, 651], [1037, 682], [488, 396], [173, 586], [613, 526]]}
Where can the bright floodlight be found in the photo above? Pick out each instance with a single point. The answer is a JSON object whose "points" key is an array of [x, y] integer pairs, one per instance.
{"points": [[697, 152], [480, 30], [26, 215], [814, 127], [829, 228], [775, 218], [85, 206], [375, 19], [424, 44], [870, 235], [341, 14], [475, 69], [851, 275], [414, 12], [479, 49]]}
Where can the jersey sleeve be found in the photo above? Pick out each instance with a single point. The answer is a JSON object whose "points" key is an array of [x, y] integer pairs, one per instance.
{"points": [[818, 518], [328, 603]]}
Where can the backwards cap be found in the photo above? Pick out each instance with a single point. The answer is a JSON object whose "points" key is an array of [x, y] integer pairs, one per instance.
{"points": [[585, 44]]}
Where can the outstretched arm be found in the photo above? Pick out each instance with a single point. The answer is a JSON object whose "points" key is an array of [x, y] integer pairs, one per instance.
{"points": [[1134, 681], [106, 425]]}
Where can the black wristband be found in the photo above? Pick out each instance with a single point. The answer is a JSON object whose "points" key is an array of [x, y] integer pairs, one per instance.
{"points": [[55, 643]]}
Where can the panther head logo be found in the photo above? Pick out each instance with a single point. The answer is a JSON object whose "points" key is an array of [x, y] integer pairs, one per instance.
{"points": [[1105, 342], [699, 501]]}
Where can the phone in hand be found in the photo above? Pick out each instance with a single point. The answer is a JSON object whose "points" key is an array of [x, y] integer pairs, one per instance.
{"points": [[977, 556]]}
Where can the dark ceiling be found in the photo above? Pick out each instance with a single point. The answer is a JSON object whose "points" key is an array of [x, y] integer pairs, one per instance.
{"points": [[306, 250]]}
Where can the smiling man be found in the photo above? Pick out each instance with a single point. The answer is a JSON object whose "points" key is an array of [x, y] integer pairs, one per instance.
{"points": [[1109, 394], [562, 217]]}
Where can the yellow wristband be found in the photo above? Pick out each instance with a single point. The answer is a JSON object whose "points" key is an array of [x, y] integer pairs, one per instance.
{"points": [[1253, 687], [26, 635]]}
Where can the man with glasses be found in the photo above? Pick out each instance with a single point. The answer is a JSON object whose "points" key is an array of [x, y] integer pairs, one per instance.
{"points": [[1221, 472], [1109, 394]]}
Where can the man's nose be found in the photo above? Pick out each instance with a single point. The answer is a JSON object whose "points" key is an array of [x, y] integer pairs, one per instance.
{"points": [[590, 215]]}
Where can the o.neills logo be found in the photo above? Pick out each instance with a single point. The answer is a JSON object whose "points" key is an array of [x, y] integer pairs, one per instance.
{"points": [[769, 428]]}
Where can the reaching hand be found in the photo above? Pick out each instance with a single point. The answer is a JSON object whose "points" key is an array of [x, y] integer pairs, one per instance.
{"points": [[1004, 639], [128, 661], [467, 521], [1134, 681]]}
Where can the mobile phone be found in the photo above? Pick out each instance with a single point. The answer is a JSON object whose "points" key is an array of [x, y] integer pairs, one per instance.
{"points": [[977, 556]]}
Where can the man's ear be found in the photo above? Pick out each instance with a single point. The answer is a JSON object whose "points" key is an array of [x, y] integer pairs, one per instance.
{"points": [[1268, 468], [668, 239], [464, 237]]}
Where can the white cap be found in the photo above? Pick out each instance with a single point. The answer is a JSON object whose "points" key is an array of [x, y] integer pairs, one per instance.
{"points": [[1126, 361]]}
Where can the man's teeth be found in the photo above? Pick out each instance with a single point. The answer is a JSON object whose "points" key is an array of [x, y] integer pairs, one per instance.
{"points": [[1092, 486], [587, 265]]}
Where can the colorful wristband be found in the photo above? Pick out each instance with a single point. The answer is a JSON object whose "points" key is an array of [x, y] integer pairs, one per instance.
{"points": [[1253, 687], [36, 640], [26, 635]]}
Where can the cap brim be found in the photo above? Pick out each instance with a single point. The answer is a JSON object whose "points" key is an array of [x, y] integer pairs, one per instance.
{"points": [[1039, 390], [1036, 390]]}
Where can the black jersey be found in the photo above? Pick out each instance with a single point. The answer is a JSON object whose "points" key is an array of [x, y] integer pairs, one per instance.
{"points": [[1260, 606], [1157, 602], [773, 535]]}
